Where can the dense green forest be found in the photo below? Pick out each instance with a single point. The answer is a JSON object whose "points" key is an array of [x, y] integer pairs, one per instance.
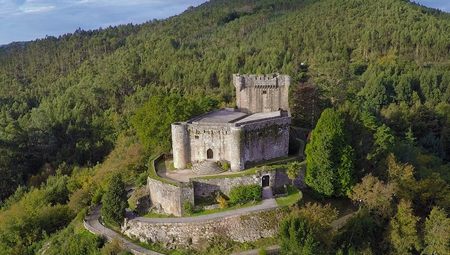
{"points": [[76, 109]]}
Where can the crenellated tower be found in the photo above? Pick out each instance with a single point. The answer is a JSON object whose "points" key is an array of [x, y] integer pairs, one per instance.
{"points": [[262, 93]]}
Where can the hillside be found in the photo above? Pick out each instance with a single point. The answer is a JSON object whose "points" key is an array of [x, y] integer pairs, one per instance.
{"points": [[66, 103]]}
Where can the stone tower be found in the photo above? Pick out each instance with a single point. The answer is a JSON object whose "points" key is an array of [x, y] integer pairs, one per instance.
{"points": [[180, 145], [262, 93]]}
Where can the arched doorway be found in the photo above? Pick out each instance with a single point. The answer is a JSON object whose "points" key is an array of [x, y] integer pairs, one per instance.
{"points": [[209, 154], [265, 181]]}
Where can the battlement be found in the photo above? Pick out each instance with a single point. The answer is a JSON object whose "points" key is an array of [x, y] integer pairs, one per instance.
{"points": [[275, 80]]}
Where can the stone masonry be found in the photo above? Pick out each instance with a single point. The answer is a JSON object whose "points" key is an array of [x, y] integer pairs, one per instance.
{"points": [[262, 93], [257, 130], [239, 228]]}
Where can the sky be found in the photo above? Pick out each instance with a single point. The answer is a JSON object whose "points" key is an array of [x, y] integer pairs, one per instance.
{"points": [[24, 20]]}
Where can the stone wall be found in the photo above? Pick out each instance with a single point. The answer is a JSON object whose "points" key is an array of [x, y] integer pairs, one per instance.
{"points": [[168, 198], [239, 228], [265, 140], [204, 187], [262, 93], [213, 137]]}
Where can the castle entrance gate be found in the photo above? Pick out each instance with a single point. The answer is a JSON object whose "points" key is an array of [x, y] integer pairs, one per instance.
{"points": [[265, 181]]}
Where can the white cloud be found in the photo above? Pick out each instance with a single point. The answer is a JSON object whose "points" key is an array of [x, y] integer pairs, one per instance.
{"points": [[32, 9]]}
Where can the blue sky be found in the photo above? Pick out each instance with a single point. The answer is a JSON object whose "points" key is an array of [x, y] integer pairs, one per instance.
{"points": [[22, 20]]}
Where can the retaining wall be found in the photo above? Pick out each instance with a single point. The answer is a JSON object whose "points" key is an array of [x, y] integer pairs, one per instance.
{"points": [[240, 228]]}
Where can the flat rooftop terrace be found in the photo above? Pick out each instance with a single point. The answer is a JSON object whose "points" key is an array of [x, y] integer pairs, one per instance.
{"points": [[230, 115]]}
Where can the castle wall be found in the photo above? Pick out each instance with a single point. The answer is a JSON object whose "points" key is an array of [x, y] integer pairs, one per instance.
{"points": [[240, 228], [262, 93], [168, 198], [265, 140], [204, 187], [204, 137]]}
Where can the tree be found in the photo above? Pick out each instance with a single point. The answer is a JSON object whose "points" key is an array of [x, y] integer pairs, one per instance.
{"points": [[384, 141], [359, 233], [298, 237], [293, 170], [329, 159], [437, 233], [114, 201], [152, 121], [374, 194], [305, 105], [403, 235], [402, 175], [320, 218]]}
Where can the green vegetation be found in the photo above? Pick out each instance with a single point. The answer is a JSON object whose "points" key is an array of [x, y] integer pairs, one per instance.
{"points": [[224, 209], [298, 237], [292, 197], [245, 193], [152, 120], [403, 230], [329, 157], [437, 229], [188, 207], [114, 201], [76, 109]]}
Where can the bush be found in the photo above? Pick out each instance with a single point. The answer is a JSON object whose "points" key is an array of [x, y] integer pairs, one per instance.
{"points": [[245, 193], [224, 165], [114, 201], [188, 208], [222, 200]]}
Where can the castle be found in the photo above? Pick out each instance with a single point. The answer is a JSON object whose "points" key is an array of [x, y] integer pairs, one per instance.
{"points": [[257, 130]]}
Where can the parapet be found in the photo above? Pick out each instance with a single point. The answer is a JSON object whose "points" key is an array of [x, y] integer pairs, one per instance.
{"points": [[275, 80]]}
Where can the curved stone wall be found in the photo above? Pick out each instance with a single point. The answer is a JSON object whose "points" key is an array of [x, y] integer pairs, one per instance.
{"points": [[240, 228]]}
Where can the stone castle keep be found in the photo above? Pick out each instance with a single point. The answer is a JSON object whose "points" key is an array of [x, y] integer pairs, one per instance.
{"points": [[257, 130]]}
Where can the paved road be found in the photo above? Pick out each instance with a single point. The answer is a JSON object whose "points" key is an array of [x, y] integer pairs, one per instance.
{"points": [[93, 225], [266, 204]]}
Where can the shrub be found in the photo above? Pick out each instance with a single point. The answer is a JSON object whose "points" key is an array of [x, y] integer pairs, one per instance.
{"points": [[245, 193], [224, 165], [188, 208], [222, 200], [114, 201]]}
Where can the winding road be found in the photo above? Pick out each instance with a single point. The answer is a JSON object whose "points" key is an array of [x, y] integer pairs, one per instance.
{"points": [[93, 225]]}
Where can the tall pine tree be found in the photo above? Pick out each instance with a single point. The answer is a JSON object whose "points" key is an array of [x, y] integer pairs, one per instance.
{"points": [[114, 201], [403, 234], [330, 160]]}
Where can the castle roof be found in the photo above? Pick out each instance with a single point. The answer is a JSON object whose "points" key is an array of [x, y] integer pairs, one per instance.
{"points": [[226, 115], [233, 117]]}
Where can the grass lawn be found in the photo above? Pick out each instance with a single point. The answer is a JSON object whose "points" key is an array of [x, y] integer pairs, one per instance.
{"points": [[293, 196]]}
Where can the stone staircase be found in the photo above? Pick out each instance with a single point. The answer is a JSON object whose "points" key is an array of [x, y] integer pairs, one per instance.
{"points": [[206, 167]]}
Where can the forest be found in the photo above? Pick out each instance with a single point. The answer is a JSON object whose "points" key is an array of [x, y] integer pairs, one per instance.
{"points": [[371, 79]]}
